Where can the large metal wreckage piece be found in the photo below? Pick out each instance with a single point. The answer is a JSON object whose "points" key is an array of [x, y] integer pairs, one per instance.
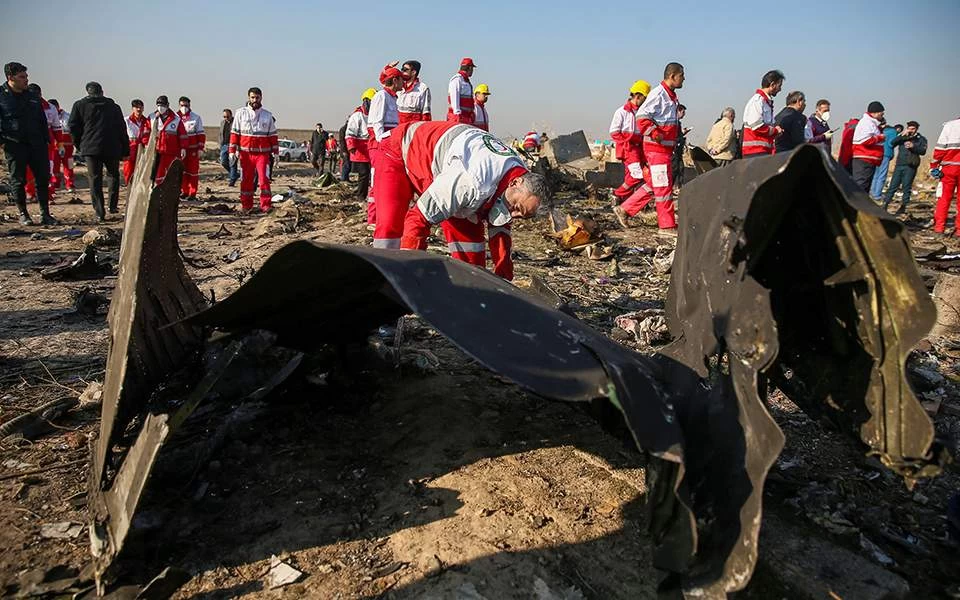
{"points": [[785, 275]]}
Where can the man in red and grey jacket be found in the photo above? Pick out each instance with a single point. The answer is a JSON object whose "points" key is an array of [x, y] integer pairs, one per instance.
{"points": [[460, 94], [868, 142], [759, 127], [63, 158], [196, 140], [468, 181], [657, 120], [171, 138], [945, 166], [633, 193], [138, 136], [413, 101], [254, 144], [356, 137], [381, 122]]}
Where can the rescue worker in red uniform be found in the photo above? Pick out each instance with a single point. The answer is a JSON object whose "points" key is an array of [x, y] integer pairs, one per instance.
{"points": [[356, 136], [55, 131], [381, 122], [460, 94], [868, 142], [196, 140], [481, 118], [531, 142], [253, 143], [759, 127], [845, 157], [63, 158], [658, 122], [413, 101], [138, 134], [469, 181], [171, 139], [633, 193], [945, 166]]}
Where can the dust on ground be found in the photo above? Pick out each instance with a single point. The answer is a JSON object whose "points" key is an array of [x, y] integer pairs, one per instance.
{"points": [[443, 483]]}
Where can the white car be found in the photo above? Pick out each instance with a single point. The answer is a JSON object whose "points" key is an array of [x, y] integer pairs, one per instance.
{"points": [[290, 150]]}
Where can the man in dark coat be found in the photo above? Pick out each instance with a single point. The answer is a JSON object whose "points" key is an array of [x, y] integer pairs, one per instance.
{"points": [[912, 147], [25, 136], [100, 135], [793, 123], [318, 148]]}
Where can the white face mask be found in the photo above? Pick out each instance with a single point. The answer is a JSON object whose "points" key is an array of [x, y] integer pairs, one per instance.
{"points": [[184, 110], [162, 109], [826, 115]]}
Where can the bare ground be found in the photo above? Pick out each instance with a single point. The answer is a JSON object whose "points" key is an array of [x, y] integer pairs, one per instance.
{"points": [[443, 483]]}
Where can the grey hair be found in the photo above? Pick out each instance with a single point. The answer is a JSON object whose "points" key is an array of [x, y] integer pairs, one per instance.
{"points": [[536, 184], [794, 97], [728, 111]]}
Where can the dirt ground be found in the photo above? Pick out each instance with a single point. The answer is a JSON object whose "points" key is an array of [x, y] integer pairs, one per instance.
{"points": [[443, 482]]}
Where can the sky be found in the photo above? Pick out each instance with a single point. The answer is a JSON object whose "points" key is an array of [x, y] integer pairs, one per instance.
{"points": [[553, 66]]}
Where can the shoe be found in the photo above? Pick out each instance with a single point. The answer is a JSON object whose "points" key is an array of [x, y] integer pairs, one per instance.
{"points": [[246, 211], [25, 219], [114, 211], [191, 198], [232, 183], [100, 220], [671, 231], [621, 216], [900, 211], [183, 196], [48, 219], [71, 190]]}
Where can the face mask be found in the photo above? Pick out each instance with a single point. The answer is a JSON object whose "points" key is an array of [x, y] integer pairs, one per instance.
{"points": [[162, 109], [826, 115], [184, 110]]}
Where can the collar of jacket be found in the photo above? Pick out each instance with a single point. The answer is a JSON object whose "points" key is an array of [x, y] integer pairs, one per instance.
{"points": [[510, 175], [44, 103], [464, 75], [166, 120], [391, 92], [765, 97], [628, 106], [361, 109], [671, 93], [133, 118], [412, 84]]}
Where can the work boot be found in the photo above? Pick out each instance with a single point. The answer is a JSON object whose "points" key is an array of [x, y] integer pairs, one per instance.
{"points": [[47, 219], [621, 216], [900, 211], [25, 218]]}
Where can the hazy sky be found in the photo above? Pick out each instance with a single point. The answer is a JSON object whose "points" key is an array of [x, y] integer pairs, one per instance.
{"points": [[556, 66]]}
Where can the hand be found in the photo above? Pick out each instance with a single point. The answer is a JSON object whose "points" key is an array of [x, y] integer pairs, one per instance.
{"points": [[936, 173], [656, 136], [828, 135], [908, 144], [777, 130]]}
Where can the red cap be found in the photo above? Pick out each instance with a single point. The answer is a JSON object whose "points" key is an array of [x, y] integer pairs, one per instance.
{"points": [[389, 72], [467, 62]]}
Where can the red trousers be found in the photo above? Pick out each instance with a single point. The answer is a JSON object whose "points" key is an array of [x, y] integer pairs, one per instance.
{"points": [[661, 180], [63, 164], [191, 173], [465, 241], [371, 203], [163, 163], [131, 162], [250, 163], [947, 190], [392, 193], [632, 173], [30, 187]]}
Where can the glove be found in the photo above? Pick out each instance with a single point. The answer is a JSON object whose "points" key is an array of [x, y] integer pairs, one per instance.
{"points": [[828, 135], [232, 160], [936, 173]]}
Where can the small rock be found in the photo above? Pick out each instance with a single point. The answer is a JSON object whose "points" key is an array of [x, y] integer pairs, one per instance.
{"points": [[92, 396], [282, 574], [63, 530]]}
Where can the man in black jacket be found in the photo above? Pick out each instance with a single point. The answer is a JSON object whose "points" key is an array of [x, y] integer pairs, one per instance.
{"points": [[793, 123], [24, 135], [912, 147], [100, 135], [318, 148]]}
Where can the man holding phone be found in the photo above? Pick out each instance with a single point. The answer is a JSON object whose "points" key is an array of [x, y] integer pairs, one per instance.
{"points": [[818, 127]]}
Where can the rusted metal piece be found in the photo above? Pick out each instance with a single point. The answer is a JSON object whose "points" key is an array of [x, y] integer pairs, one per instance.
{"points": [[148, 342]]}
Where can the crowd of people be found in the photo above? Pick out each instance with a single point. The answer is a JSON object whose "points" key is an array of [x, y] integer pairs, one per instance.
{"points": [[463, 178]]}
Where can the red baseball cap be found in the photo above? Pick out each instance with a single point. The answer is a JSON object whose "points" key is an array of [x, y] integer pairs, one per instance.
{"points": [[388, 72], [467, 62]]}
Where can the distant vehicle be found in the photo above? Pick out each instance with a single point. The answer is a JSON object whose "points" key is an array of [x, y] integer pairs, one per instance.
{"points": [[290, 150]]}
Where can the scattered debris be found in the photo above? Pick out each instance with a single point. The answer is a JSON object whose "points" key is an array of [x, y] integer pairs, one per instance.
{"points": [[946, 298], [218, 209], [86, 266], [164, 585], [62, 530], [875, 552], [87, 302], [220, 233], [542, 591], [37, 422], [649, 327], [92, 396], [232, 256], [284, 218], [576, 234], [282, 574], [102, 237]]}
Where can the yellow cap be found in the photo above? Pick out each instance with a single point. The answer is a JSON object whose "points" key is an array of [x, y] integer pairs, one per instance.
{"points": [[370, 93], [640, 87], [482, 89]]}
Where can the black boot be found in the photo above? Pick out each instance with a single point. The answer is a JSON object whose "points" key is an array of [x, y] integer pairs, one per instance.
{"points": [[45, 217], [24, 215]]}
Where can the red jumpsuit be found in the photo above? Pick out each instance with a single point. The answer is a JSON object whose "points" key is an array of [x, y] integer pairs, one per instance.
{"points": [[461, 174], [254, 137], [657, 121], [357, 137], [460, 99], [196, 139], [64, 163], [946, 157], [54, 130], [633, 193], [171, 140], [390, 209], [138, 135]]}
